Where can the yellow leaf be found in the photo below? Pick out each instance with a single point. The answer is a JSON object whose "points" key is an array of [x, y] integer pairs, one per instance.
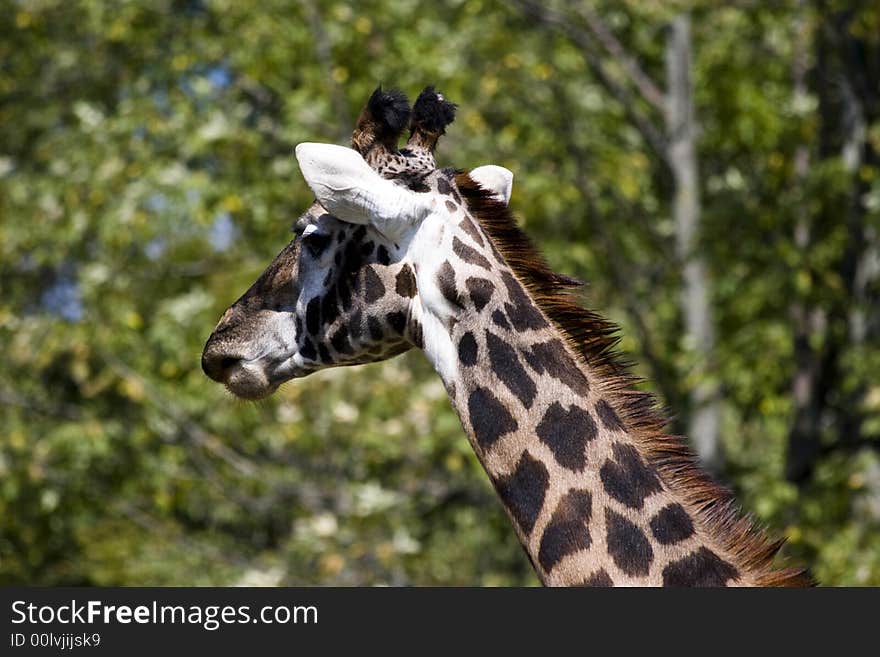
{"points": [[803, 281], [118, 31], [543, 71], [180, 62], [628, 186], [133, 320], [17, 440], [385, 551], [163, 500], [775, 161], [489, 84], [232, 203], [363, 25], [474, 121], [793, 533], [79, 370], [132, 388], [453, 462], [332, 563]]}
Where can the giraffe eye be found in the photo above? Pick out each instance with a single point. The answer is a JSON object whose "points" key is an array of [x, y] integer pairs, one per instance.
{"points": [[316, 242]]}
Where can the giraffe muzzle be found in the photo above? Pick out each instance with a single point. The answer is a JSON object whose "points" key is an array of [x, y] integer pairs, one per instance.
{"points": [[245, 378]]}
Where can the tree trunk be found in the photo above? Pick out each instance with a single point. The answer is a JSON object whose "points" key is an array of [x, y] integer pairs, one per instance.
{"points": [[848, 104], [808, 399], [704, 424]]}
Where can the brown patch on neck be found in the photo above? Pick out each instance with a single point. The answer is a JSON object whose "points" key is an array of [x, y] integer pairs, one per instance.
{"points": [[594, 339]]}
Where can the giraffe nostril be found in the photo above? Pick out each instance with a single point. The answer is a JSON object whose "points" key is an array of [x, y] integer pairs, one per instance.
{"points": [[217, 365], [228, 362]]}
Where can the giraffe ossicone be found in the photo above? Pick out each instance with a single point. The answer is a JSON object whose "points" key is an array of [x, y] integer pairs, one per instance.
{"points": [[397, 253]]}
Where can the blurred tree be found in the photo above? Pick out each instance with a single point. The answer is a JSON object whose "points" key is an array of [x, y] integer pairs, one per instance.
{"points": [[826, 328], [675, 148]]}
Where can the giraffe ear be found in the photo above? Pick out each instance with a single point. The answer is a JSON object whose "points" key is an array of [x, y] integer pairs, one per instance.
{"points": [[497, 180], [352, 191]]}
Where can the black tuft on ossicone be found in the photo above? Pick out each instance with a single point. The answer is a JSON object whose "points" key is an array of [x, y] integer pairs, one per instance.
{"points": [[390, 110], [432, 112]]}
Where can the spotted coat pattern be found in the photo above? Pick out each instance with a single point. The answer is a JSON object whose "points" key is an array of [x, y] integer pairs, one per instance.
{"points": [[586, 504], [584, 501]]}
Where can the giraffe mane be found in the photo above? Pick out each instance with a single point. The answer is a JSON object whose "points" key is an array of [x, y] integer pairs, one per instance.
{"points": [[594, 339]]}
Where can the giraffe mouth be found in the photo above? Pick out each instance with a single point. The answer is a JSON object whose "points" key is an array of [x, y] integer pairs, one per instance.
{"points": [[249, 380], [258, 378]]}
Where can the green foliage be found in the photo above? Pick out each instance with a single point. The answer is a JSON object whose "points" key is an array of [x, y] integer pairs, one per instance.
{"points": [[147, 177]]}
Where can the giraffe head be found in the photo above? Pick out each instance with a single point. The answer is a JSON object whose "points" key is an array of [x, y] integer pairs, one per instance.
{"points": [[343, 291]]}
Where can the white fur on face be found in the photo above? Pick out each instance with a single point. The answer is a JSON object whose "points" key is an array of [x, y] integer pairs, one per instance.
{"points": [[431, 308], [352, 191], [408, 225]]}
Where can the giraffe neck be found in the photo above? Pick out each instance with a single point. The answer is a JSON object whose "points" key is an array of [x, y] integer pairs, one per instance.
{"points": [[573, 468], [585, 504]]}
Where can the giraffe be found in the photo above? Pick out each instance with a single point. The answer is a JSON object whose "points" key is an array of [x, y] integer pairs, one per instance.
{"points": [[396, 253]]}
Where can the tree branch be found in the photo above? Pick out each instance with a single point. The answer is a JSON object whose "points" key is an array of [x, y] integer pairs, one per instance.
{"points": [[561, 23], [640, 80], [192, 429], [61, 411], [325, 60], [618, 270]]}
